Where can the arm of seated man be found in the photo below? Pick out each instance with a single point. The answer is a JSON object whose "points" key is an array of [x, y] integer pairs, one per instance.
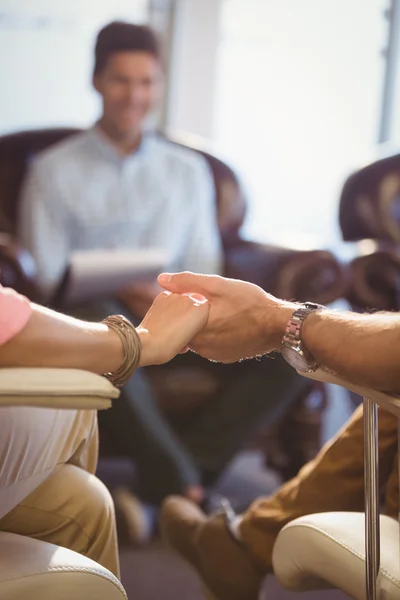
{"points": [[245, 322]]}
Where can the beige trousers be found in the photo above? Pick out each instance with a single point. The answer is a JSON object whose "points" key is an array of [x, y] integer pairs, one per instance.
{"points": [[48, 490], [333, 481]]}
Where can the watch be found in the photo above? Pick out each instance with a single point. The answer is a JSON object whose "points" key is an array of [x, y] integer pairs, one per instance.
{"points": [[292, 348]]}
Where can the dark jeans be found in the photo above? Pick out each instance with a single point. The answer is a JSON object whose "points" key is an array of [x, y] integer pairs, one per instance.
{"points": [[257, 393]]}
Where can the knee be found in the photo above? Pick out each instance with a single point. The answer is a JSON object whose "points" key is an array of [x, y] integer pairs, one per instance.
{"points": [[93, 516], [92, 505]]}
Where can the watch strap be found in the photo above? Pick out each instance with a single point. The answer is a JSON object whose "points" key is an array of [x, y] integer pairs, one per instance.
{"points": [[293, 328], [292, 335]]}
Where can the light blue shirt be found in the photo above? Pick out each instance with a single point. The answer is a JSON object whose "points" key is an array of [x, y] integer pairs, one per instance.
{"points": [[82, 194]]}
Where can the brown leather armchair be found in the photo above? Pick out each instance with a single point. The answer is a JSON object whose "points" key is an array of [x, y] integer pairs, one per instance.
{"points": [[285, 272], [370, 202], [370, 209]]}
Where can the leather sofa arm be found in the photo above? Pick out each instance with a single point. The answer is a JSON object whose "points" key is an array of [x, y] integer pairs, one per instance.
{"points": [[31, 568], [326, 550], [55, 388], [375, 281], [17, 267], [301, 275]]}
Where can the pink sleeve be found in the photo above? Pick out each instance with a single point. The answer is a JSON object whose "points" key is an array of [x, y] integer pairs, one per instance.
{"points": [[15, 311]]}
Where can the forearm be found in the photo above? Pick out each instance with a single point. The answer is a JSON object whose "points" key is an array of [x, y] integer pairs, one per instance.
{"points": [[51, 339], [364, 349]]}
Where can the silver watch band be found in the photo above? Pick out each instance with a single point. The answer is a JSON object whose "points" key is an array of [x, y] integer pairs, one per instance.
{"points": [[293, 328], [293, 349]]}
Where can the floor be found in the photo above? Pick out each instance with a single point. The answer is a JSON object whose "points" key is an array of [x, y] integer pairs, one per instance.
{"points": [[155, 573]]}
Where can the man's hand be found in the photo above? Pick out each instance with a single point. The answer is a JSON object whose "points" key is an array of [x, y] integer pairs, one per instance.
{"points": [[244, 321]]}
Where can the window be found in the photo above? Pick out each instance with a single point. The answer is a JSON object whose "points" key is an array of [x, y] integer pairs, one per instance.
{"points": [[390, 115], [297, 107]]}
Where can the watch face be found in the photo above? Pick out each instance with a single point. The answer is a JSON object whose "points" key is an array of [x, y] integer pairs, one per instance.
{"points": [[296, 358]]}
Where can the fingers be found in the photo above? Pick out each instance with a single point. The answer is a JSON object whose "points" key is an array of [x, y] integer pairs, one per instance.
{"points": [[169, 309], [183, 283], [198, 298]]}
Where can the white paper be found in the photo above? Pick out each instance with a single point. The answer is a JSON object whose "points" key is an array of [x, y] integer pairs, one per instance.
{"points": [[102, 272]]}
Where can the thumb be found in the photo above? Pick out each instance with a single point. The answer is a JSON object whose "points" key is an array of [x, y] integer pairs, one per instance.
{"points": [[186, 283]]}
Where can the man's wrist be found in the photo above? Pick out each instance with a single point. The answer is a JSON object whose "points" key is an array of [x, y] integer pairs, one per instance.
{"points": [[275, 323], [311, 327]]}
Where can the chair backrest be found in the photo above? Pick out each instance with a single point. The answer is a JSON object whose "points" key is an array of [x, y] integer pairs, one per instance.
{"points": [[370, 209], [370, 202], [17, 149]]}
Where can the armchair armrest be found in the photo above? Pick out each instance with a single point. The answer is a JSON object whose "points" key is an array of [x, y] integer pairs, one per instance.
{"points": [[326, 550], [374, 281], [31, 568], [288, 273], [55, 388], [17, 267]]}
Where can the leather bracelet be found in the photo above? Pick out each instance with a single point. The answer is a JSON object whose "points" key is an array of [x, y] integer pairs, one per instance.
{"points": [[131, 346]]}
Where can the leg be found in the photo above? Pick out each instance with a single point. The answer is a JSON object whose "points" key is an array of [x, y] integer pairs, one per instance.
{"points": [[35, 442], [391, 497], [42, 496], [332, 481], [138, 430], [72, 508], [258, 393]]}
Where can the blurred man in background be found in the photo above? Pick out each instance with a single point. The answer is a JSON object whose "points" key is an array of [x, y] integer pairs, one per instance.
{"points": [[121, 185]]}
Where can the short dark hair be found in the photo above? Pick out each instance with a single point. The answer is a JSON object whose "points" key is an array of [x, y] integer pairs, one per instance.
{"points": [[120, 36]]}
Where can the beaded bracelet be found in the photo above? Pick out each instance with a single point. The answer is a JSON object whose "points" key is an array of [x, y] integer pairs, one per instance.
{"points": [[131, 345]]}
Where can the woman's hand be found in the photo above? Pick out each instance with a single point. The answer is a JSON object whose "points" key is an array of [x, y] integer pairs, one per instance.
{"points": [[169, 325]]}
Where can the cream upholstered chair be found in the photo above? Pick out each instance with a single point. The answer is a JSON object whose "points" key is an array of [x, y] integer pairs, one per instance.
{"points": [[355, 552], [30, 568]]}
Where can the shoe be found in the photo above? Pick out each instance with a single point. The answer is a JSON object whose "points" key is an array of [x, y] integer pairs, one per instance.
{"points": [[132, 522], [206, 543]]}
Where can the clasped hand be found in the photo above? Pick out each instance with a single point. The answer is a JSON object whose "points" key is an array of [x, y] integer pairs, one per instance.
{"points": [[221, 319], [169, 325]]}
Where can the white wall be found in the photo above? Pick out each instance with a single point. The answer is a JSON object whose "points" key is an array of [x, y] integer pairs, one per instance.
{"points": [[46, 54], [298, 95], [390, 123], [289, 91]]}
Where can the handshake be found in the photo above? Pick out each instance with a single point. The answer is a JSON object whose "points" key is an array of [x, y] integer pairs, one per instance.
{"points": [[224, 320]]}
